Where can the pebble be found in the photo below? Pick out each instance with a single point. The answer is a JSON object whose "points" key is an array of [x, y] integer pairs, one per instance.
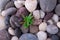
{"points": [[11, 31], [15, 21], [48, 16], [9, 11], [28, 36], [55, 37], [48, 38], [14, 38], [37, 21], [18, 32], [36, 14], [9, 5], [34, 29], [55, 18], [22, 11], [58, 24], [19, 4], [57, 10], [24, 30], [43, 26], [50, 21], [48, 5], [41, 35], [42, 14], [52, 29], [3, 4], [31, 5], [2, 23], [4, 35]]}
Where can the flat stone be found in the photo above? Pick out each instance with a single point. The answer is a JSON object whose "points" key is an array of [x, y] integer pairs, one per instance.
{"points": [[34, 29], [24, 30], [57, 10], [31, 5], [9, 11], [41, 35], [28, 36], [14, 38], [43, 26], [9, 5], [36, 14], [48, 5], [11, 31], [4, 35], [52, 29]]}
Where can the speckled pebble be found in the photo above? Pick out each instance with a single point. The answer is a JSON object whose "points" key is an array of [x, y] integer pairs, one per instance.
{"points": [[9, 11], [31, 5], [48, 5], [42, 14], [34, 29], [19, 4], [36, 14], [11, 31], [14, 38], [41, 35], [28, 36], [55, 18], [52, 29], [57, 10], [43, 26]]}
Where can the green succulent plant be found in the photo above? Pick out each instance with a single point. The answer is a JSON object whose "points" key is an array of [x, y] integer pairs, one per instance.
{"points": [[28, 20]]}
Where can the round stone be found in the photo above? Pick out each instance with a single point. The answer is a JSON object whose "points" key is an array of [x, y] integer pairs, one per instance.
{"points": [[42, 14], [41, 35], [15, 21], [4, 35], [57, 10], [34, 29], [3, 4], [18, 32], [9, 11], [52, 29], [55, 37], [48, 5], [2, 23], [28, 36], [43, 26], [19, 4], [11, 31], [24, 30], [58, 24], [22, 11], [9, 5], [31, 5], [55, 18], [36, 14], [14, 38]]}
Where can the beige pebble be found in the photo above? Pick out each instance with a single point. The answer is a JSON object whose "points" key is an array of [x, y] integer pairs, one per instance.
{"points": [[58, 24], [43, 26]]}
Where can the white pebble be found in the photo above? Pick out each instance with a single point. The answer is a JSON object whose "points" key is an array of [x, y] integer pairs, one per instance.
{"points": [[58, 24], [19, 4], [11, 31], [55, 18], [14, 38], [50, 21], [43, 26], [31, 5], [36, 14], [42, 14], [41, 35]]}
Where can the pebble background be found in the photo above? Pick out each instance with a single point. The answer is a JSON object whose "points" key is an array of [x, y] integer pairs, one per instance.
{"points": [[46, 19]]}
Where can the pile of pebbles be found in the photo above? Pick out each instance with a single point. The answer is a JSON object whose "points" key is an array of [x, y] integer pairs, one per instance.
{"points": [[46, 21]]}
